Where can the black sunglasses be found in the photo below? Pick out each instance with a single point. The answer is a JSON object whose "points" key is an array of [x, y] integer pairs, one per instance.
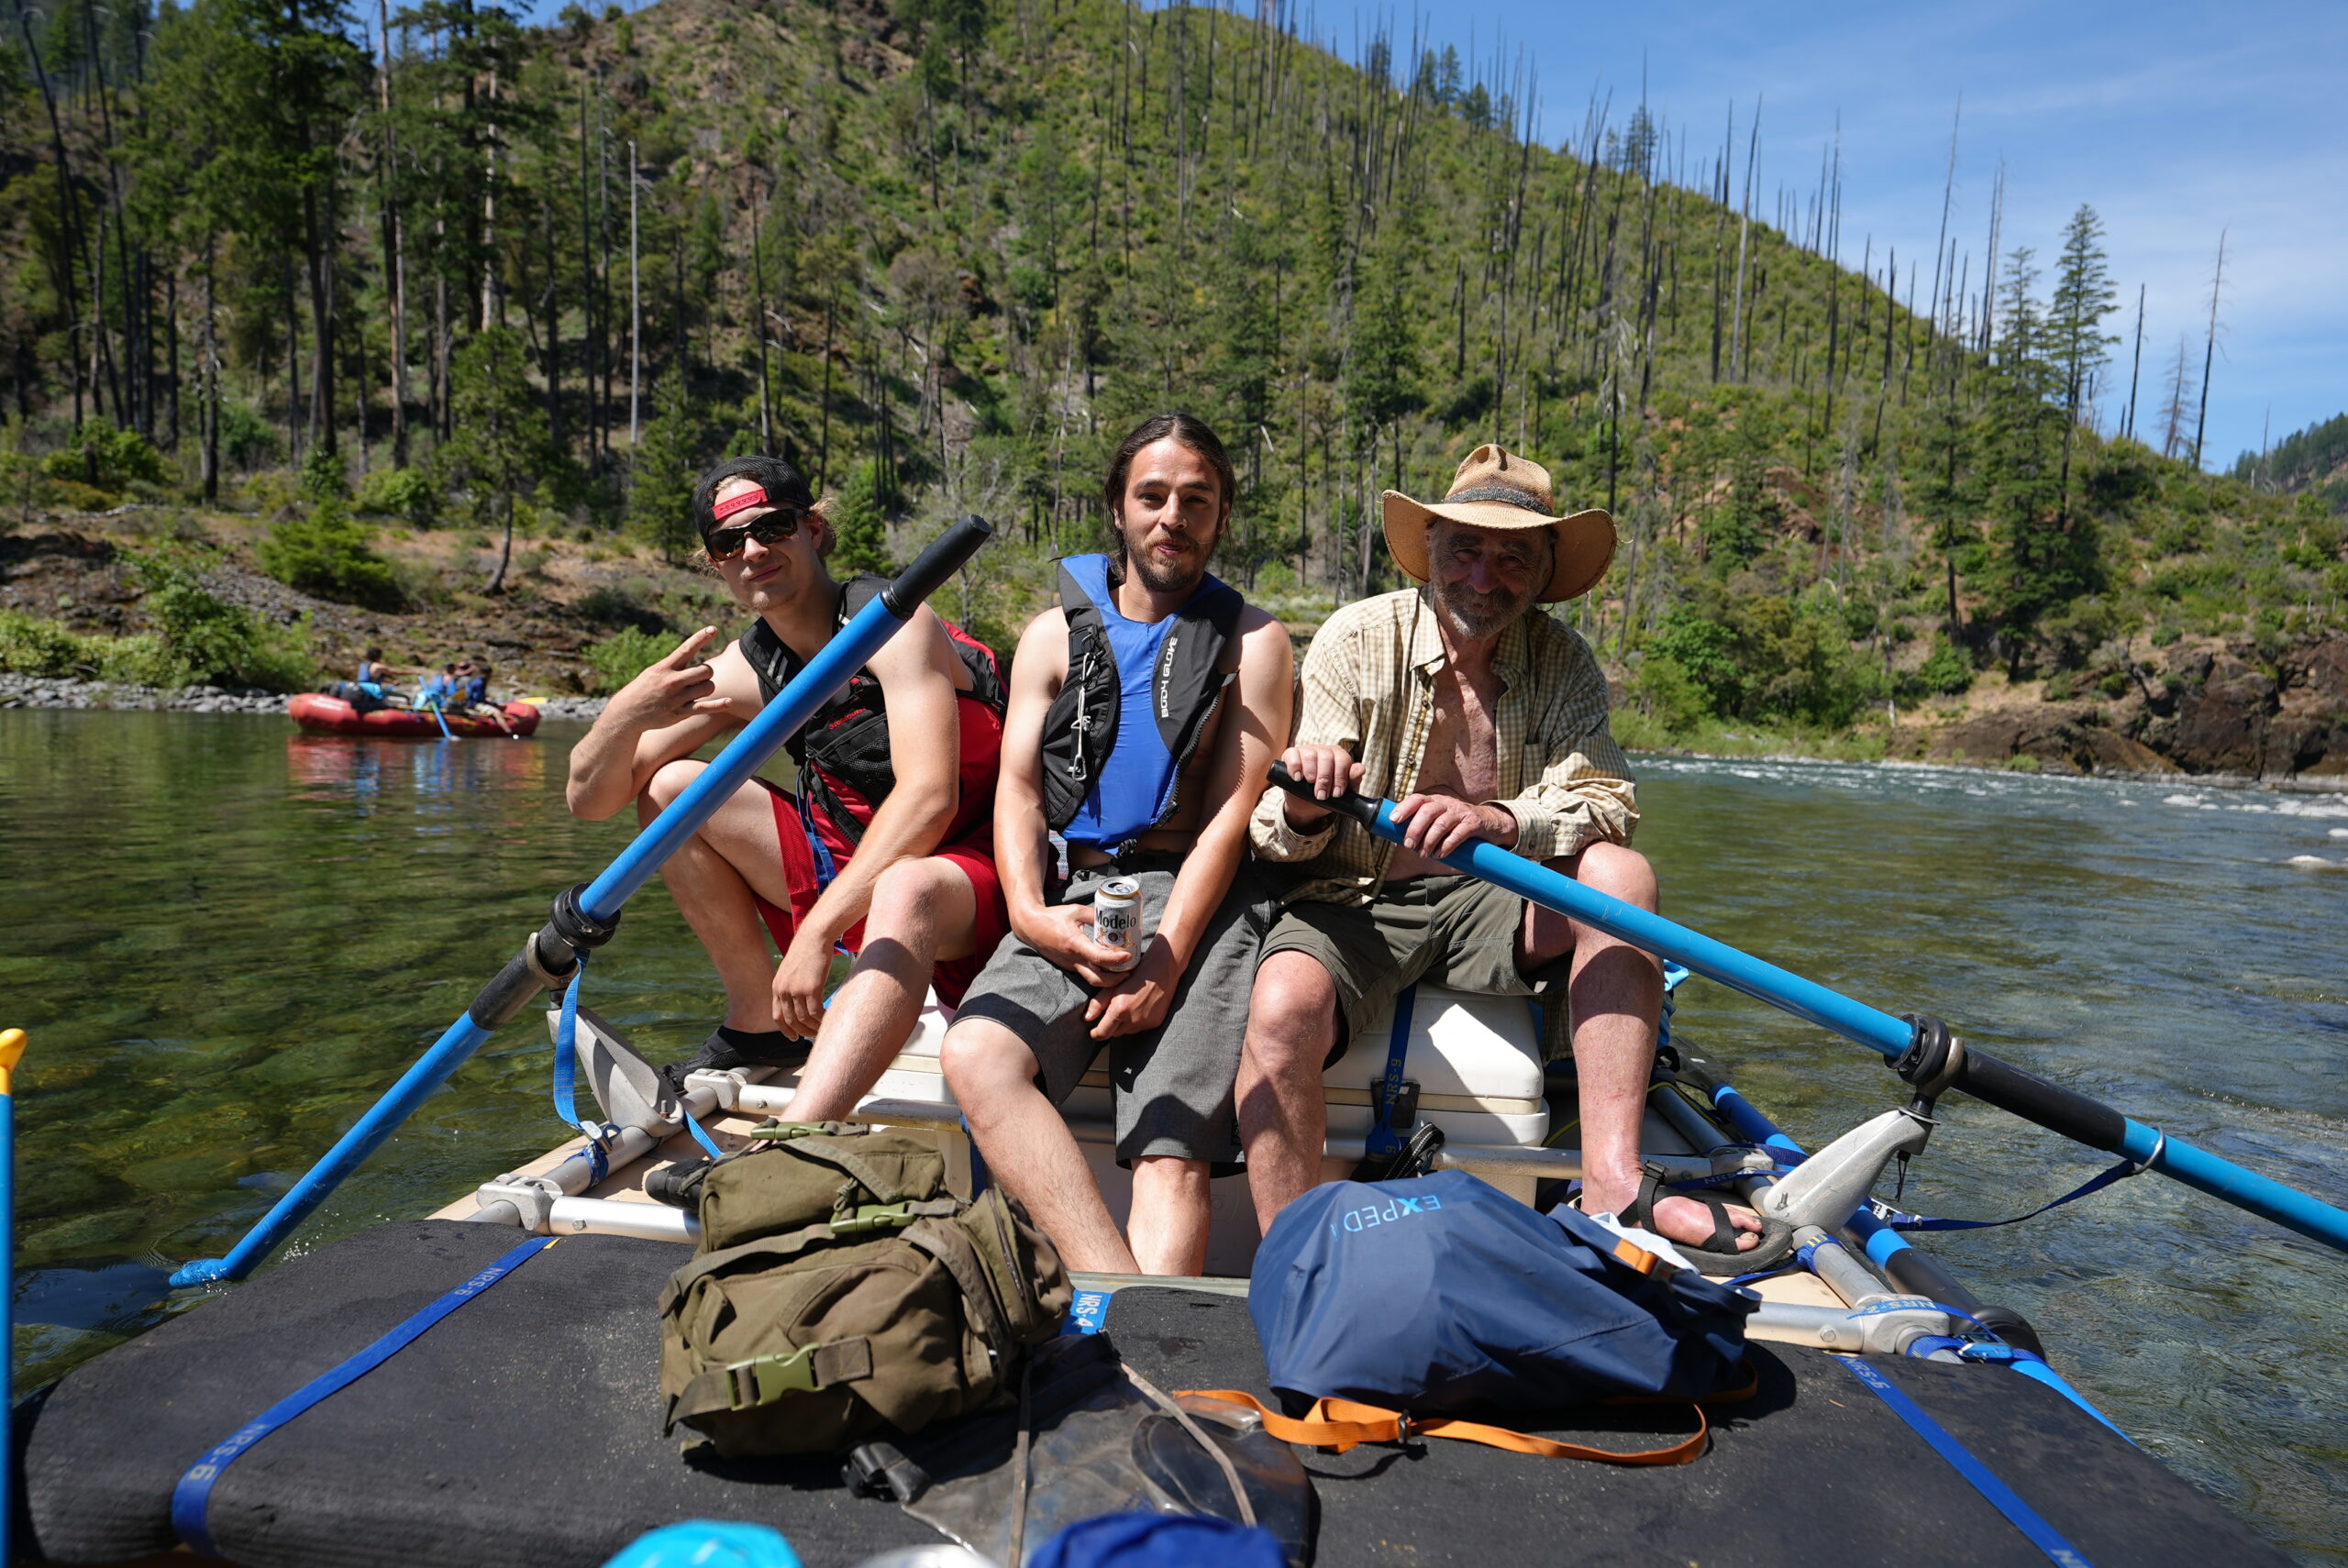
{"points": [[724, 544]]}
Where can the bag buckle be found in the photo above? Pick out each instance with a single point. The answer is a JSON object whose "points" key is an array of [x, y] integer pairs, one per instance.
{"points": [[767, 1378]]}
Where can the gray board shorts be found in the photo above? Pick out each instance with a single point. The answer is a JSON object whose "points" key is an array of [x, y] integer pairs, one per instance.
{"points": [[1173, 1083], [1451, 931]]}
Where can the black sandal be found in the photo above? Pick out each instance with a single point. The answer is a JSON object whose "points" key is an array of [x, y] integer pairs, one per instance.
{"points": [[718, 1053], [1719, 1254]]}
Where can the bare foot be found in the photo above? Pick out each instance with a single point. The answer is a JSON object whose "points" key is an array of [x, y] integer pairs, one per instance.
{"points": [[1679, 1219]]}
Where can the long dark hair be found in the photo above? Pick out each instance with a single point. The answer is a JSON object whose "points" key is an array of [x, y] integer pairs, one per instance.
{"points": [[1184, 429]]}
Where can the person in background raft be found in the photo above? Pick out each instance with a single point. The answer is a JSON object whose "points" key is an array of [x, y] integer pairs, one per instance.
{"points": [[887, 849], [472, 688], [1143, 712], [1485, 719], [470, 695], [375, 678]]}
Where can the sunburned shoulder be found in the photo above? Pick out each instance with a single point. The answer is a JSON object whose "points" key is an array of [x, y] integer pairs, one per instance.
{"points": [[1260, 635], [1043, 646], [730, 672]]}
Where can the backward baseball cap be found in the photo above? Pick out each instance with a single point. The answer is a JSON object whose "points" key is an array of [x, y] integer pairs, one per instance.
{"points": [[779, 484]]}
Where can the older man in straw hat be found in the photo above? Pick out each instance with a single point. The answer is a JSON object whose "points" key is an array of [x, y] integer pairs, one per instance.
{"points": [[1487, 718]]}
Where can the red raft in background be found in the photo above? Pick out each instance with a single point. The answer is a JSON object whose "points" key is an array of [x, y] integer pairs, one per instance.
{"points": [[332, 716]]}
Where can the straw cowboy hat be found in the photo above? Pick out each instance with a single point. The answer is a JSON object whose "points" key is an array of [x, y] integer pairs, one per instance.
{"points": [[1496, 489]]}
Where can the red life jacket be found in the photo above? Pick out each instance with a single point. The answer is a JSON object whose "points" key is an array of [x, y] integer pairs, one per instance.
{"points": [[842, 750]]}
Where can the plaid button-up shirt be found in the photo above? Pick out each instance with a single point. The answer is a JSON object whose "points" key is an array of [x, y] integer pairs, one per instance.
{"points": [[1369, 683]]}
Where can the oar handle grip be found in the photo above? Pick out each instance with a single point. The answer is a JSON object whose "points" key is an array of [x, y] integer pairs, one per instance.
{"points": [[1359, 807], [941, 560]]}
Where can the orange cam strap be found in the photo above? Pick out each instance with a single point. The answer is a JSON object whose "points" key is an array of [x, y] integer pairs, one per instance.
{"points": [[1341, 1424]]}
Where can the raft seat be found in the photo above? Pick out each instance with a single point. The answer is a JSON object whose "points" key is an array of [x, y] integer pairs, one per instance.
{"points": [[1477, 1060]]}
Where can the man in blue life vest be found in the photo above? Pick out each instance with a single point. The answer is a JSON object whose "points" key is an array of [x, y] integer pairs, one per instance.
{"points": [[1485, 718], [886, 848], [471, 689], [1144, 713]]}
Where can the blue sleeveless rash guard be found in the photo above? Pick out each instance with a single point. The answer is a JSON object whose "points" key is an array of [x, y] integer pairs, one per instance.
{"points": [[1133, 789]]}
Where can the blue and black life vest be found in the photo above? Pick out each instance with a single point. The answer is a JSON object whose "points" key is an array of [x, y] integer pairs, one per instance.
{"points": [[1106, 783]]}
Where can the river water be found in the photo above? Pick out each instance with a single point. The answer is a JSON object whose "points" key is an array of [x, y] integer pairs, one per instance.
{"points": [[226, 938]]}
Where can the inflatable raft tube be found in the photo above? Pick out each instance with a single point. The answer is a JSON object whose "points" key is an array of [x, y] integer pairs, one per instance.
{"points": [[317, 711], [525, 1428]]}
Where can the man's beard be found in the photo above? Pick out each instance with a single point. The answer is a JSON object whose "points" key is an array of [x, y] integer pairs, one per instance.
{"points": [[1478, 615], [1159, 577]]}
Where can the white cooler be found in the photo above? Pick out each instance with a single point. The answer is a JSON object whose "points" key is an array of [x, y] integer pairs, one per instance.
{"points": [[1477, 1060]]}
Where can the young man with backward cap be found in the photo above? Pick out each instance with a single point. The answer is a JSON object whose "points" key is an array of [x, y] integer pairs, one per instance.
{"points": [[1485, 719], [1144, 711], [886, 848]]}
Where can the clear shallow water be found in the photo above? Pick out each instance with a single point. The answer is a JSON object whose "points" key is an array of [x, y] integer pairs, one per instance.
{"points": [[225, 939]]}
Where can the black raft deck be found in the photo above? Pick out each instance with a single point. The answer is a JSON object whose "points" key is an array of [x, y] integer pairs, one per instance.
{"points": [[524, 1430]]}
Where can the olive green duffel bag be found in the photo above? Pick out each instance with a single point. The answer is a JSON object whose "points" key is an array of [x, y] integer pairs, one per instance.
{"points": [[842, 1290]]}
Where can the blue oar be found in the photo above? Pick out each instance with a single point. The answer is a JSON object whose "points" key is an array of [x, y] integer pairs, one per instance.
{"points": [[12, 1051], [585, 917], [434, 702], [1920, 1050]]}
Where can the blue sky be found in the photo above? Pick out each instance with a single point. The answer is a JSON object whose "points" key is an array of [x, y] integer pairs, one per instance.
{"points": [[2175, 121]]}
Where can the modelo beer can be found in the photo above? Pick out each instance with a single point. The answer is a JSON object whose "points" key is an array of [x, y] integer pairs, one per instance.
{"points": [[1116, 917]]}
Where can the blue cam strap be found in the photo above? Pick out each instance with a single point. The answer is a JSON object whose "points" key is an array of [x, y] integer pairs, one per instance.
{"points": [[1963, 1459], [192, 1497], [566, 1076], [1898, 1220], [566, 1037], [1385, 1140]]}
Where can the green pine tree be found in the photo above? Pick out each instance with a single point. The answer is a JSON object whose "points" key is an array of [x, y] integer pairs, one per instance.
{"points": [[859, 525], [668, 463], [499, 448], [2078, 345]]}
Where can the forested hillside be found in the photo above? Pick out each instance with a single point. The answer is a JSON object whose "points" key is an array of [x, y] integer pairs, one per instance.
{"points": [[367, 274], [2314, 460]]}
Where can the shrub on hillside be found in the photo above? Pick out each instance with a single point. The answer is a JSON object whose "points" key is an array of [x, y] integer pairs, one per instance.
{"points": [[108, 459], [1764, 658], [398, 493], [327, 553], [1945, 672], [1666, 692], [209, 641], [323, 476], [247, 441], [622, 657], [32, 646]]}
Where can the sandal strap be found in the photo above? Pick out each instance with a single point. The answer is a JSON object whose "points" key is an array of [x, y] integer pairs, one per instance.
{"points": [[1640, 1212], [1725, 1232], [1641, 1209]]}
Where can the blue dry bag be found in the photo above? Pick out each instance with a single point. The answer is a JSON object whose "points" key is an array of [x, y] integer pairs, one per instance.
{"points": [[1158, 1541], [1443, 1295]]}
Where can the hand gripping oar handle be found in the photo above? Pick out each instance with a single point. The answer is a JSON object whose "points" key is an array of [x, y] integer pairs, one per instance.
{"points": [[585, 917], [1920, 1049]]}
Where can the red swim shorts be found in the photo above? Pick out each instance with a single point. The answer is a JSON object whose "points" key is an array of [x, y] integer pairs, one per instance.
{"points": [[972, 855]]}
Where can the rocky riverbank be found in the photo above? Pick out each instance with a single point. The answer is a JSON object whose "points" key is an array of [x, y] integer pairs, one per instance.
{"points": [[49, 691], [2222, 708]]}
